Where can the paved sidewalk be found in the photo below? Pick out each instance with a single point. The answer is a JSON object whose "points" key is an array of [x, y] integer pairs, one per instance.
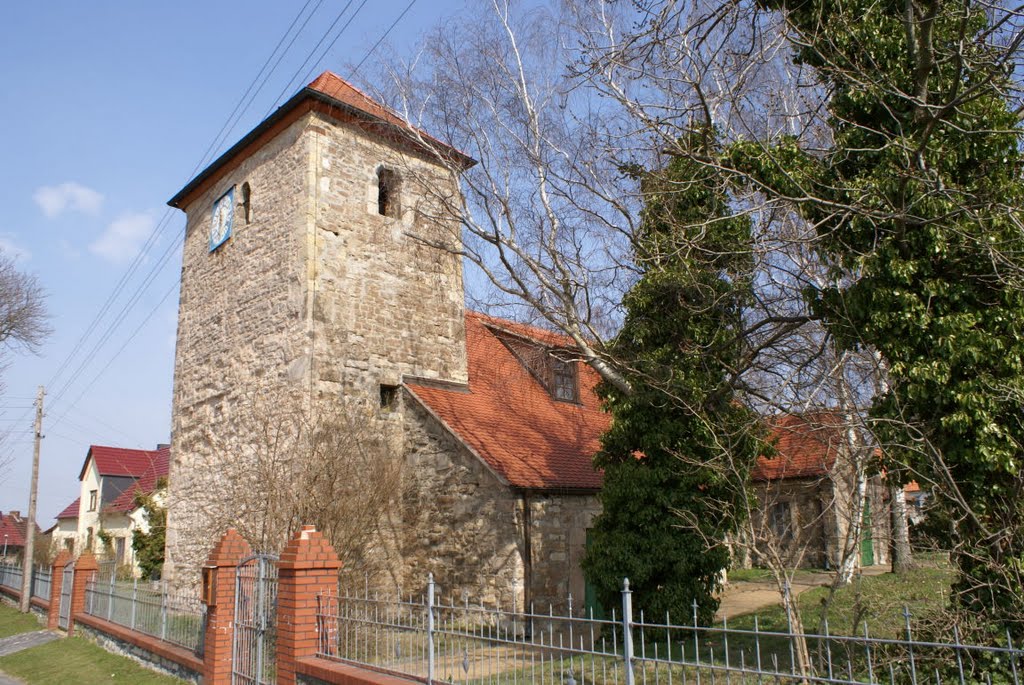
{"points": [[16, 643]]}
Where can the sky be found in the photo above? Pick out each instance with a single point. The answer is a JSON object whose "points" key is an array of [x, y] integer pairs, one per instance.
{"points": [[106, 110]]}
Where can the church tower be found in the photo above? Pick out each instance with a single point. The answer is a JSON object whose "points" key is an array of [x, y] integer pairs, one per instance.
{"points": [[313, 263]]}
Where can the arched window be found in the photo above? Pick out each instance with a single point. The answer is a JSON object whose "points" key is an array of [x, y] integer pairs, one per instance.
{"points": [[247, 202], [387, 192]]}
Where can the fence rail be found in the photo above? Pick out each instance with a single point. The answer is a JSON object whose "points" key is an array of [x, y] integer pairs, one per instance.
{"points": [[175, 617], [461, 643]]}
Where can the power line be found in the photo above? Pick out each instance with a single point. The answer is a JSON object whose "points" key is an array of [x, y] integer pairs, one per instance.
{"points": [[382, 38], [121, 316]]}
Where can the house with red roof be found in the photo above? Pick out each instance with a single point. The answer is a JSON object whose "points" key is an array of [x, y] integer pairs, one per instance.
{"points": [[13, 529], [808, 497], [105, 513], [322, 257]]}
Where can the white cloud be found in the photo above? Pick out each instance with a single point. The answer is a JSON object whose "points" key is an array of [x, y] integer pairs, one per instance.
{"points": [[12, 249], [54, 200], [123, 237]]}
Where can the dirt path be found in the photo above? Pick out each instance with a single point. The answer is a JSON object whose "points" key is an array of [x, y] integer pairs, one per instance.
{"points": [[744, 597]]}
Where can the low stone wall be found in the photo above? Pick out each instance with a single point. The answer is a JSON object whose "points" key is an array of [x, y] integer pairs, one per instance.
{"points": [[149, 651]]}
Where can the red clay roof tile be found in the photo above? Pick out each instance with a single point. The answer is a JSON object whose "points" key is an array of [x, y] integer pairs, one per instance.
{"points": [[507, 417]]}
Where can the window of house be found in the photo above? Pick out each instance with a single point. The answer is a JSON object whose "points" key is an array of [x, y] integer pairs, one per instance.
{"points": [[92, 499], [69, 544], [387, 192], [247, 202], [388, 397], [563, 379], [781, 517], [119, 550], [88, 538]]}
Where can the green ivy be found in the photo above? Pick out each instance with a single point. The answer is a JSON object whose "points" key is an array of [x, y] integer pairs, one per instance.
{"points": [[921, 205], [679, 450]]}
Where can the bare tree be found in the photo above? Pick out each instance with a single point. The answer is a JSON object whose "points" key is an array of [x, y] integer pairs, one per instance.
{"points": [[23, 318]]}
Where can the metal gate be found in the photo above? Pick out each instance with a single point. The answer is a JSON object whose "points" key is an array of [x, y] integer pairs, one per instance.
{"points": [[64, 610], [253, 653]]}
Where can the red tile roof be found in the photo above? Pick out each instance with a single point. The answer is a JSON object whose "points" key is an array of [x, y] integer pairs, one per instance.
{"points": [[146, 483], [12, 529], [507, 417], [117, 461], [71, 510], [806, 446], [331, 91]]}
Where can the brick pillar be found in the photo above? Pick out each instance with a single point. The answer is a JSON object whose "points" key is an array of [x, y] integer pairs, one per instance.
{"points": [[219, 595], [85, 569], [308, 567], [56, 583]]}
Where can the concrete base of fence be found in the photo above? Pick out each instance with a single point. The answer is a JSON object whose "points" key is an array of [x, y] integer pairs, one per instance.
{"points": [[317, 671], [148, 651]]}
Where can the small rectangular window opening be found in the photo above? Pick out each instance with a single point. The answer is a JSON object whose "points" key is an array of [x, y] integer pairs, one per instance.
{"points": [[387, 193], [388, 397], [92, 500]]}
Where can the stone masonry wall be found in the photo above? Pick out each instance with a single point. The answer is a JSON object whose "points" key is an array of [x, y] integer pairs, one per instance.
{"points": [[462, 524], [384, 303], [559, 525], [242, 322], [318, 296]]}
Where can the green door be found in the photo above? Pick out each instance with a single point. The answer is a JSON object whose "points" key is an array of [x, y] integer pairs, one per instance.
{"points": [[867, 543], [591, 605]]}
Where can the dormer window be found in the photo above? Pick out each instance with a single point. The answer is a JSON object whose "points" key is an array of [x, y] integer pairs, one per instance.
{"points": [[387, 192], [563, 379], [553, 368]]}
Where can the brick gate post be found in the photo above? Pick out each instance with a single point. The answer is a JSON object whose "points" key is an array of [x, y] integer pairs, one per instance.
{"points": [[85, 569], [56, 583], [308, 568], [219, 596]]}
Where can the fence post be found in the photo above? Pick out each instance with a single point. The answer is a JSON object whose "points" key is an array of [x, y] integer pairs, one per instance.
{"points": [[135, 598], [307, 569], [430, 629], [627, 630], [85, 569], [56, 581], [219, 596], [110, 598]]}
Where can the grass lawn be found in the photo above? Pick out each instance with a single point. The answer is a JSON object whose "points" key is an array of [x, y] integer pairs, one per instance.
{"points": [[13, 622], [71, 660], [76, 660], [879, 600]]}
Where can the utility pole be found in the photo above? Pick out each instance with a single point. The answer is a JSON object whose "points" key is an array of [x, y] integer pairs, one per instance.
{"points": [[30, 522]]}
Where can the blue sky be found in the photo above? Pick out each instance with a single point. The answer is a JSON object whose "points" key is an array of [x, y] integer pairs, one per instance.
{"points": [[107, 107]]}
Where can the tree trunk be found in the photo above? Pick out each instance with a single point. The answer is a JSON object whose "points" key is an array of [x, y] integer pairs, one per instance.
{"points": [[902, 559]]}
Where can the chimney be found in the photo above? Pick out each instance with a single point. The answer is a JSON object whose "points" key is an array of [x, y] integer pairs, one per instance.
{"points": [[16, 514], [163, 446]]}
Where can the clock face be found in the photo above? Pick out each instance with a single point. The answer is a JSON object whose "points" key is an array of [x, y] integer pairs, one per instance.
{"points": [[220, 222]]}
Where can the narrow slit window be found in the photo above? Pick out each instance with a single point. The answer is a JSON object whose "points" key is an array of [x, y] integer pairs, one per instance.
{"points": [[247, 202], [387, 192]]}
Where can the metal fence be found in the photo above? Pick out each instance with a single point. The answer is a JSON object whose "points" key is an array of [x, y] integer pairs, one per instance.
{"points": [[176, 617], [461, 643], [41, 582], [11, 575]]}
